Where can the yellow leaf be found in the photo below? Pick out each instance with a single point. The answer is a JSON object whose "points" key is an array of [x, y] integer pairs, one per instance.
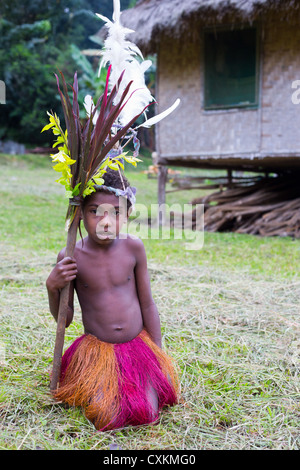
{"points": [[48, 126]]}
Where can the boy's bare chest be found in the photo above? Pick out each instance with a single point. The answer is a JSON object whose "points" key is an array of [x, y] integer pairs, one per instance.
{"points": [[104, 272]]}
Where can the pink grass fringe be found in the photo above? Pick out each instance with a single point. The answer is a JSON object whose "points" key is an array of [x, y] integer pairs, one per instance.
{"points": [[139, 371]]}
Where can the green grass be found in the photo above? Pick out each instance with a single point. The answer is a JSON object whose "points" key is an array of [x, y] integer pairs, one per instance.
{"points": [[229, 314]]}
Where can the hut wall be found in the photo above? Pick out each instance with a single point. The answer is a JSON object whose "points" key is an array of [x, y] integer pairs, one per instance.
{"points": [[274, 127], [281, 66]]}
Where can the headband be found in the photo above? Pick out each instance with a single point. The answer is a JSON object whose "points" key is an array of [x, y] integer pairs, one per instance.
{"points": [[129, 192]]}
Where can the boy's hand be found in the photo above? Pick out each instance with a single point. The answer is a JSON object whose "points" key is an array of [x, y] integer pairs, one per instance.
{"points": [[64, 272]]}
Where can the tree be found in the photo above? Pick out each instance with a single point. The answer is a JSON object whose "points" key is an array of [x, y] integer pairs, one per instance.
{"points": [[36, 38]]}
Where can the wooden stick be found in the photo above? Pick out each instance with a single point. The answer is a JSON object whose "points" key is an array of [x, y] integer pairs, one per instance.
{"points": [[63, 307]]}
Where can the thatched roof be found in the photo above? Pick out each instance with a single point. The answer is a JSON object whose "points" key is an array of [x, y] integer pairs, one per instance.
{"points": [[150, 18]]}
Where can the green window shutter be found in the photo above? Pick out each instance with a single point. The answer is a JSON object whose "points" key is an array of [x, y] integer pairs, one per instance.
{"points": [[231, 68]]}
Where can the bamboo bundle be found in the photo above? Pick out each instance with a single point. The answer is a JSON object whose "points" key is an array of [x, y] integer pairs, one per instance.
{"points": [[269, 207]]}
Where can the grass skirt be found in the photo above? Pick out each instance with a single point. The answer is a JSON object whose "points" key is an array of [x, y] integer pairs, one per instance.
{"points": [[111, 381]]}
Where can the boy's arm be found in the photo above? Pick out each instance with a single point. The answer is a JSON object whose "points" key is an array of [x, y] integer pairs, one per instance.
{"points": [[149, 311], [63, 273]]}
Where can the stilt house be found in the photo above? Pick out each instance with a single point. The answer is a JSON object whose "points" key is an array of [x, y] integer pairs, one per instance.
{"points": [[235, 65]]}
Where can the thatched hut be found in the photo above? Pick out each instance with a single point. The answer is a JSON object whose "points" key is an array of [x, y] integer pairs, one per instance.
{"points": [[234, 64]]}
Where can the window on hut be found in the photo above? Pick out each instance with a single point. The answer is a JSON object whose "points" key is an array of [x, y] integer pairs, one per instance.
{"points": [[231, 68]]}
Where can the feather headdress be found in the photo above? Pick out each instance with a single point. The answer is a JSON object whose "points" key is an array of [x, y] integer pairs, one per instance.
{"points": [[125, 56]]}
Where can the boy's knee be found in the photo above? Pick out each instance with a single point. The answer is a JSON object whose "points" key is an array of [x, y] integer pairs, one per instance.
{"points": [[153, 400]]}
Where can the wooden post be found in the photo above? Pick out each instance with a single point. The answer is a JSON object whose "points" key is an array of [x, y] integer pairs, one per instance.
{"points": [[63, 307], [162, 179], [229, 175]]}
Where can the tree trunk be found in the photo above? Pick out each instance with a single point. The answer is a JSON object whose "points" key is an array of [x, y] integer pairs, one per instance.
{"points": [[63, 307]]}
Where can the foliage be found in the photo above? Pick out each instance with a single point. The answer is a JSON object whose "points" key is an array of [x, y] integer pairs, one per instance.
{"points": [[89, 83], [27, 63], [61, 159], [36, 38]]}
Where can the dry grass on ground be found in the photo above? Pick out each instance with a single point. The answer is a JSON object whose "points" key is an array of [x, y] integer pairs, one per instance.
{"points": [[236, 341], [229, 314]]}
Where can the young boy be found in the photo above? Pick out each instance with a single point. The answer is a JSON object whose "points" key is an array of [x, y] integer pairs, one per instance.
{"points": [[117, 370]]}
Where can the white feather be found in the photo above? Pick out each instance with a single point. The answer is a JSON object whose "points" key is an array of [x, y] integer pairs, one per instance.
{"points": [[121, 54], [154, 120], [117, 10], [89, 107]]}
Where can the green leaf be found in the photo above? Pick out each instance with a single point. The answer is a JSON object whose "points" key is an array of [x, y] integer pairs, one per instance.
{"points": [[75, 191], [112, 165], [89, 190], [69, 194], [47, 127], [120, 164], [98, 181]]}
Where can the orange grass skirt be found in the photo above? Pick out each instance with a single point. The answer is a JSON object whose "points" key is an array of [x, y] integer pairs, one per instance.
{"points": [[111, 381]]}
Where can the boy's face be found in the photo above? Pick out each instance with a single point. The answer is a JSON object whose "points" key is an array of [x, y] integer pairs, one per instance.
{"points": [[103, 216]]}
